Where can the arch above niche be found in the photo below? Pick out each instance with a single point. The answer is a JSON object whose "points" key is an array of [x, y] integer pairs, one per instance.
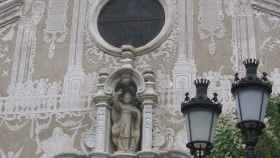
{"points": [[169, 7], [115, 77]]}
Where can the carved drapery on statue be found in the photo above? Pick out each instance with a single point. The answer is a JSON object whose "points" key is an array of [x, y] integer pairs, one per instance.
{"points": [[126, 116]]}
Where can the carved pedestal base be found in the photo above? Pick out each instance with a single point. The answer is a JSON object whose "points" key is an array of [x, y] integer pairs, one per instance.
{"points": [[100, 155], [124, 155], [147, 154], [142, 154]]}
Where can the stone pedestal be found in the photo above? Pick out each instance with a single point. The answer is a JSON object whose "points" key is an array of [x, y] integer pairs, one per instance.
{"points": [[147, 154], [99, 155], [124, 155]]}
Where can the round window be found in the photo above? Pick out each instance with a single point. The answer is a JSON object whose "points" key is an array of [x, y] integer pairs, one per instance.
{"points": [[131, 22]]}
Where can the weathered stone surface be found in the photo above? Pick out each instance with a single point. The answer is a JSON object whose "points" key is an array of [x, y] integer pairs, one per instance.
{"points": [[55, 71]]}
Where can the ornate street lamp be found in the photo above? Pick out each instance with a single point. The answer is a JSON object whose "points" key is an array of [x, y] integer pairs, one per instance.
{"points": [[251, 94], [201, 114]]}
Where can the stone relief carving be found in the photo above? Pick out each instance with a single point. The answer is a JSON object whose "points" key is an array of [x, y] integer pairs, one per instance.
{"points": [[243, 32], [10, 12], [76, 123], [58, 143], [38, 103], [56, 29], [271, 7], [270, 27], [165, 87], [167, 124], [94, 56], [126, 116], [221, 84], [11, 154], [211, 22], [26, 42], [6, 35]]}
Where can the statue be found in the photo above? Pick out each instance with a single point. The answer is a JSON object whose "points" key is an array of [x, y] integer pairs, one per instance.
{"points": [[126, 116]]}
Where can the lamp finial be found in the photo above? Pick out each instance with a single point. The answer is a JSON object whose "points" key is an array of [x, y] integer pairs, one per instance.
{"points": [[201, 87], [251, 66]]}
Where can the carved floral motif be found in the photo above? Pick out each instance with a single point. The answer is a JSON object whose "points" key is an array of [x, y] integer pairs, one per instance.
{"points": [[6, 35], [211, 22]]}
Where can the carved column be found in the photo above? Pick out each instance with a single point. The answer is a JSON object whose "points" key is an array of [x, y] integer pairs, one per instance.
{"points": [[149, 101], [103, 120]]}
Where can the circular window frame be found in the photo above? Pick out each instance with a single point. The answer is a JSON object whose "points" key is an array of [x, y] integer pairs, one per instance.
{"points": [[96, 9]]}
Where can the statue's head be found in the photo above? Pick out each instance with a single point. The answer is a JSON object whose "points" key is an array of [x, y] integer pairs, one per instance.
{"points": [[128, 89], [127, 98]]}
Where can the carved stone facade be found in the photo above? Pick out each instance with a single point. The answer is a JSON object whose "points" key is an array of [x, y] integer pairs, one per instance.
{"points": [[58, 75]]}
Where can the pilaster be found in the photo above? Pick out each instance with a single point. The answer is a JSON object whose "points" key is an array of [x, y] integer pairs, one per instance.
{"points": [[243, 34], [103, 120], [149, 101]]}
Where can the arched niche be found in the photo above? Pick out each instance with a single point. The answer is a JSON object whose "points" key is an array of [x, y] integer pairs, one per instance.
{"points": [[116, 76]]}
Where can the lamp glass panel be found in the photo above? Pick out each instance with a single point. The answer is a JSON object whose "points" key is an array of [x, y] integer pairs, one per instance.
{"points": [[188, 127], [200, 124], [249, 102], [215, 119], [265, 104]]}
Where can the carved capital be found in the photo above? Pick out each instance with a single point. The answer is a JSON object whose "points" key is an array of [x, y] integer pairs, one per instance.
{"points": [[150, 96], [101, 97]]}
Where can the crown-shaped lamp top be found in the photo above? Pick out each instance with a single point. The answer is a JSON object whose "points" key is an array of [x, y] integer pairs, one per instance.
{"points": [[251, 66], [201, 87]]}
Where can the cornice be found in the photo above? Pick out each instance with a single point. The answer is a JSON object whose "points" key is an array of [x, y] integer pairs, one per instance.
{"points": [[271, 7]]}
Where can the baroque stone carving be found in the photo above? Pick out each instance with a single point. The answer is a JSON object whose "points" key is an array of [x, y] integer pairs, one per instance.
{"points": [[126, 116], [211, 24], [6, 35], [56, 29], [11, 154], [271, 7], [26, 43], [10, 12], [270, 27], [58, 143], [243, 32]]}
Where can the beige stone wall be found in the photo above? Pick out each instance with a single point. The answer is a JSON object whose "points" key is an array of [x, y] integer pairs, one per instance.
{"points": [[44, 63]]}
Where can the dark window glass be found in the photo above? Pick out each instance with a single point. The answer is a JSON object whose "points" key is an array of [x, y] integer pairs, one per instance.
{"points": [[132, 22]]}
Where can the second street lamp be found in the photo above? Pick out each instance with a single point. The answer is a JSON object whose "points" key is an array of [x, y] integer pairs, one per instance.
{"points": [[201, 114], [251, 94]]}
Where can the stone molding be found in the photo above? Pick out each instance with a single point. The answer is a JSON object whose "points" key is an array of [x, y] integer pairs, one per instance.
{"points": [[143, 154], [271, 7], [9, 11], [169, 8]]}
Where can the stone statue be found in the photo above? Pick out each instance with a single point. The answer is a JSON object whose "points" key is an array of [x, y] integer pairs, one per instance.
{"points": [[126, 116]]}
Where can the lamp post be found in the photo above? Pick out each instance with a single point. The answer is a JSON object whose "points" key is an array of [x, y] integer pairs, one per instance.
{"points": [[251, 94], [201, 114]]}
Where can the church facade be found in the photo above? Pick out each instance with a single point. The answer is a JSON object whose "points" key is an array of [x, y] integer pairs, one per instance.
{"points": [[106, 78]]}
